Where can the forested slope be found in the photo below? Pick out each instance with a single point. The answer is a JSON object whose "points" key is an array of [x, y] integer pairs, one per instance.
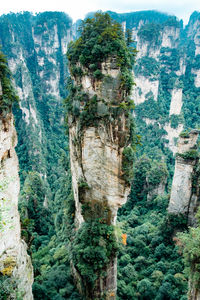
{"points": [[166, 95]]}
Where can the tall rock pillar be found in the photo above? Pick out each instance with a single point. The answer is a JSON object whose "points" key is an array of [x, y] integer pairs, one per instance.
{"points": [[184, 193], [101, 133]]}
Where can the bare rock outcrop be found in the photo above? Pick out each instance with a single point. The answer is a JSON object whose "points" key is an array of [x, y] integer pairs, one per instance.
{"points": [[184, 193], [14, 260]]}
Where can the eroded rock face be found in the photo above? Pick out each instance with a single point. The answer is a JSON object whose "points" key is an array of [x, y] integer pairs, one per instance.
{"points": [[194, 292], [183, 198], [100, 166], [176, 102], [96, 154], [14, 260], [96, 150], [38, 65], [143, 87]]}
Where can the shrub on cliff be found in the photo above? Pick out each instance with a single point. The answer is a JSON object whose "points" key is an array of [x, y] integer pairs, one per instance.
{"points": [[7, 92], [100, 37]]}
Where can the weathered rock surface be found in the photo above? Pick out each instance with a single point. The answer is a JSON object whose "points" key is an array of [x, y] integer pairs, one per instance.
{"points": [[97, 159], [176, 102], [194, 292], [36, 55], [14, 260], [172, 136], [183, 198], [96, 154], [144, 86]]}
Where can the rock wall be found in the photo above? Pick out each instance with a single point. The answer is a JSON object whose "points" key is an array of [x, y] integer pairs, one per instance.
{"points": [[35, 47], [194, 292], [14, 261], [143, 87], [96, 155], [184, 196], [176, 102], [169, 52]]}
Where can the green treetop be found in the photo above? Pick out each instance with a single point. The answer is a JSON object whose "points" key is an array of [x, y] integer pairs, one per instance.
{"points": [[100, 38], [7, 92]]}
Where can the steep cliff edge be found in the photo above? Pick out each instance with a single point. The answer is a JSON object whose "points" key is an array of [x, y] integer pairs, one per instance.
{"points": [[15, 264], [184, 193], [101, 151], [184, 200]]}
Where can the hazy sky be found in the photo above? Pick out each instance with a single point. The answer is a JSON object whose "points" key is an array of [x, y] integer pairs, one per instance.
{"points": [[77, 8]]}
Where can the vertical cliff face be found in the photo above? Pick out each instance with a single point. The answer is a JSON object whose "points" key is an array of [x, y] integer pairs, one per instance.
{"points": [[35, 47], [184, 193], [184, 200], [166, 73], [14, 261], [194, 292], [100, 150], [96, 155], [96, 150], [152, 84]]}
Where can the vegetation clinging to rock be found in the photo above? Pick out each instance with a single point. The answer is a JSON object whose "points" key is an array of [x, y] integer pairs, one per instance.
{"points": [[7, 92]]}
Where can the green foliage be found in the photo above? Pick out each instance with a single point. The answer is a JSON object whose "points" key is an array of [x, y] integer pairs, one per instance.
{"points": [[149, 266], [129, 39], [184, 134], [8, 96], [53, 278], [170, 58], [9, 288], [36, 219], [175, 120], [92, 248], [158, 273], [51, 18], [150, 32], [147, 66], [157, 174], [172, 21], [189, 243], [190, 154], [134, 18], [173, 222], [127, 163], [100, 38], [196, 63]]}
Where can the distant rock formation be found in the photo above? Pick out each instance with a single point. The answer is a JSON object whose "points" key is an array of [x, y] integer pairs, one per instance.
{"points": [[184, 193]]}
